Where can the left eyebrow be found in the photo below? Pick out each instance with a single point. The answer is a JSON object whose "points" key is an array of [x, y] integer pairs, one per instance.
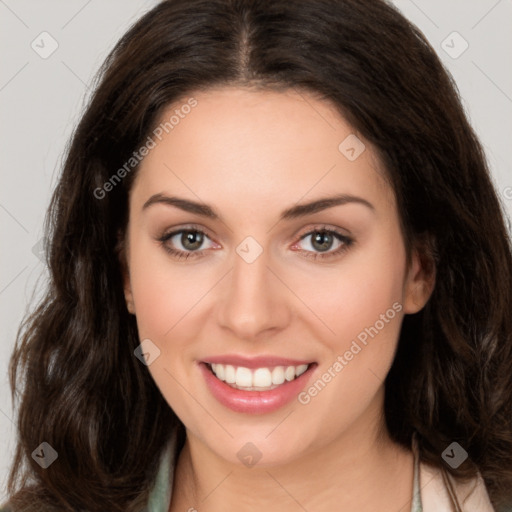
{"points": [[294, 212], [301, 210]]}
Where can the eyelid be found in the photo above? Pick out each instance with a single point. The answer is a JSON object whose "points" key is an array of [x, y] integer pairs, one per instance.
{"points": [[186, 227], [322, 227]]}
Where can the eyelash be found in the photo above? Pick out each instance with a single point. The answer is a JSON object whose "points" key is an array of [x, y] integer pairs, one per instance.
{"points": [[183, 255]]}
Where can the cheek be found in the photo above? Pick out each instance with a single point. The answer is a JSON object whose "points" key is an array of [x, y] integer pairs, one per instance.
{"points": [[353, 296], [165, 296], [361, 304], [164, 291]]}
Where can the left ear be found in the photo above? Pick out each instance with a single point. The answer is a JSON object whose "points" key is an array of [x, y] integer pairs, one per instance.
{"points": [[421, 277]]}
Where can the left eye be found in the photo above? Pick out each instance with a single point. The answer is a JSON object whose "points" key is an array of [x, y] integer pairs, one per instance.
{"points": [[322, 241]]}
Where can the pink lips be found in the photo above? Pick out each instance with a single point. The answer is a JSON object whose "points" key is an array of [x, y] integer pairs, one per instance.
{"points": [[255, 402]]}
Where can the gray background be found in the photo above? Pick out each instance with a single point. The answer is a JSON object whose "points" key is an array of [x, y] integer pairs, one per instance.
{"points": [[41, 100]]}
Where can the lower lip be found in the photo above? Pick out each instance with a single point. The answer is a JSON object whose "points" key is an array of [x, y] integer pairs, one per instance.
{"points": [[255, 402]]}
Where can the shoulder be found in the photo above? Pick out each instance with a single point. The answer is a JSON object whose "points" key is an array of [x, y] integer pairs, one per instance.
{"points": [[439, 490]]}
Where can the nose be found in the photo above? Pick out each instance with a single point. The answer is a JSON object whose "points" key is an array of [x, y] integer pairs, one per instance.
{"points": [[254, 303]]}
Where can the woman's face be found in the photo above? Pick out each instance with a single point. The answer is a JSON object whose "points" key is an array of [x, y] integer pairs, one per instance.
{"points": [[272, 284]]}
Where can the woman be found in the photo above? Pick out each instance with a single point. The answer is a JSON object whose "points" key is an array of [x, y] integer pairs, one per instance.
{"points": [[280, 277]]}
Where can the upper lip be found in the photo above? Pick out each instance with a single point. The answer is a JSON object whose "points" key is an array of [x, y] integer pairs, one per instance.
{"points": [[267, 361]]}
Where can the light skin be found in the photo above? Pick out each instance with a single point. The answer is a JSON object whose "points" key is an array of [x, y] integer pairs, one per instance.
{"points": [[250, 155]]}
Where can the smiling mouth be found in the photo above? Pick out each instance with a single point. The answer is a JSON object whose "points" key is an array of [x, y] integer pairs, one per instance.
{"points": [[256, 379]]}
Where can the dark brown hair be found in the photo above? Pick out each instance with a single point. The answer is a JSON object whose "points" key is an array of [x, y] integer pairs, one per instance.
{"points": [[80, 387]]}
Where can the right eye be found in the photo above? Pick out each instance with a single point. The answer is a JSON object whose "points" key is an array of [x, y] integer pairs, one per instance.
{"points": [[189, 239]]}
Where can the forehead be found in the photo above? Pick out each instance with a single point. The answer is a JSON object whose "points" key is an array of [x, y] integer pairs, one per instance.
{"points": [[262, 147]]}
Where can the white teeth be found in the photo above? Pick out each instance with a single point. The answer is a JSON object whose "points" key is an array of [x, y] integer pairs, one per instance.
{"points": [[289, 373], [301, 369], [278, 375], [262, 378], [258, 379], [229, 372], [220, 371], [243, 377]]}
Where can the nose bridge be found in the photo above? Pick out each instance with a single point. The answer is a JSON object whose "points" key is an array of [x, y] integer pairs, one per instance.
{"points": [[253, 302]]}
